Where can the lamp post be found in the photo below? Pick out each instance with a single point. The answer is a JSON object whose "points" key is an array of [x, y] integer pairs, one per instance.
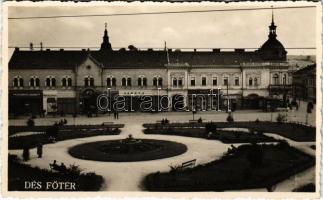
{"points": [[218, 103], [109, 95]]}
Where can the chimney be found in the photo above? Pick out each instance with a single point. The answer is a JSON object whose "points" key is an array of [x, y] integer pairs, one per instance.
{"points": [[194, 50], [41, 46], [216, 50]]}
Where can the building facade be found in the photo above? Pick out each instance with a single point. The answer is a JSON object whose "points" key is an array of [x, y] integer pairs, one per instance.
{"points": [[65, 81]]}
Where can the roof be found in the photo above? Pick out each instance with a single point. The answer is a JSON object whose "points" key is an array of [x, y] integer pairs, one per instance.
{"points": [[65, 59]]}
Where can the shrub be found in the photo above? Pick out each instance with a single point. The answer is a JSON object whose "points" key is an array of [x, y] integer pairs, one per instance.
{"points": [[255, 155], [210, 127], [30, 122], [230, 118], [281, 118]]}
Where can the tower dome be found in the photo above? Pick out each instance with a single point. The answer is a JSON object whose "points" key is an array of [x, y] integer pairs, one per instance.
{"points": [[272, 49]]}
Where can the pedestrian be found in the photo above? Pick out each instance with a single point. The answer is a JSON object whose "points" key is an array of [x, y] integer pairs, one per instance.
{"points": [[40, 150], [25, 154]]}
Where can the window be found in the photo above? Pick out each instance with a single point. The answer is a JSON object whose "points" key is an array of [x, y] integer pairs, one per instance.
{"points": [[155, 81], [160, 81], [275, 79], [32, 82], [225, 81], [215, 81], [48, 82], [192, 81], [53, 82], [114, 82], [37, 82], [123, 83], [174, 82], [91, 82], [64, 82], [284, 79], [139, 82], [69, 82], [144, 81], [203, 81], [180, 82], [21, 82], [236, 81], [15, 82], [109, 82], [88, 81], [128, 81], [256, 82], [250, 81]]}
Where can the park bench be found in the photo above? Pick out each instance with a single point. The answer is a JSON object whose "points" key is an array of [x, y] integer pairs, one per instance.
{"points": [[106, 123], [187, 164]]}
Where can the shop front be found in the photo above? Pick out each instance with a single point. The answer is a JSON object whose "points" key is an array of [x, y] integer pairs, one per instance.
{"points": [[25, 102]]}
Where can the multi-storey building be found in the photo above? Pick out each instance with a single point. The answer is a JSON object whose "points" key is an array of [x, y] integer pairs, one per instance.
{"points": [[67, 81]]}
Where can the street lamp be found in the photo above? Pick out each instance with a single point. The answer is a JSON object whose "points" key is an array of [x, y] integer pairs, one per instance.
{"points": [[109, 108]]}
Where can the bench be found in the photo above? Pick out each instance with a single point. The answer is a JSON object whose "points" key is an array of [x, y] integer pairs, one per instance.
{"points": [[188, 164], [106, 123]]}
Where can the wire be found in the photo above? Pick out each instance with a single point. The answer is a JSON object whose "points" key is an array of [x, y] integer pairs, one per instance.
{"points": [[157, 13]]}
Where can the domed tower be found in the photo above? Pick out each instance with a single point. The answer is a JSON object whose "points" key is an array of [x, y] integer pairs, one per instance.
{"points": [[272, 49], [106, 46]]}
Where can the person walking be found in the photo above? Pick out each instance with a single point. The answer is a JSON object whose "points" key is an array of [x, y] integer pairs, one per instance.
{"points": [[40, 150]]}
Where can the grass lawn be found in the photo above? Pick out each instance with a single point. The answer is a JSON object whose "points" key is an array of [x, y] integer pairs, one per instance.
{"points": [[250, 166], [228, 137], [296, 132], [114, 151], [19, 173], [32, 140]]}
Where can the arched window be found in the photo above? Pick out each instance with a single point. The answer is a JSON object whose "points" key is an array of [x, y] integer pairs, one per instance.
{"points": [[114, 82], [15, 82], [48, 82], [160, 81], [53, 82], [275, 79], [144, 81], [256, 81], [128, 81], [21, 82], [69, 82], [124, 82], [109, 82], [284, 79], [155, 82], [37, 82], [139, 81], [32, 82], [64, 82], [250, 81], [91, 82]]}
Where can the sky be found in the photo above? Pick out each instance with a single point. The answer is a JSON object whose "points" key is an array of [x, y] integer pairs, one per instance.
{"points": [[236, 29]]}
